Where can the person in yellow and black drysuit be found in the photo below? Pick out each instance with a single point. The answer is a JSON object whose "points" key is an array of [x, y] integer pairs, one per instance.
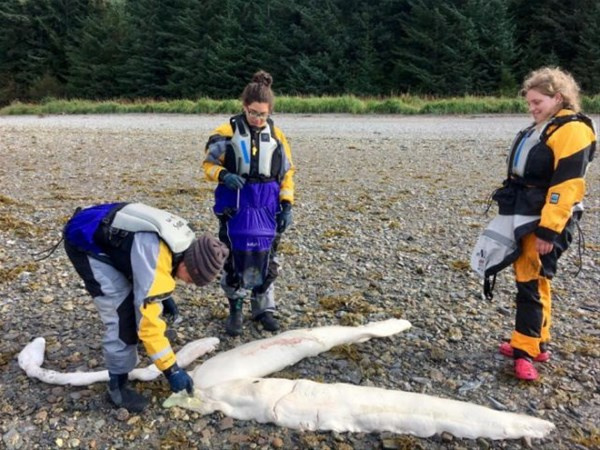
{"points": [[129, 255], [251, 160], [542, 198]]}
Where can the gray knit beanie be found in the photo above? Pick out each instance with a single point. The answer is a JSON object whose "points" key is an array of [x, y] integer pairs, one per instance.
{"points": [[204, 259]]}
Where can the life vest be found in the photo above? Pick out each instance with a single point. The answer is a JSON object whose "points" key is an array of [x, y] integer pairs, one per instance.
{"points": [[531, 161], [258, 159], [172, 229], [92, 228], [80, 229]]}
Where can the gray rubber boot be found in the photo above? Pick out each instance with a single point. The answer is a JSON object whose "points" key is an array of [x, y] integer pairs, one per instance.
{"points": [[124, 397], [233, 326], [268, 322]]}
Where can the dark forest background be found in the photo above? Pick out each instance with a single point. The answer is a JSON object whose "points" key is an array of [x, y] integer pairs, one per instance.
{"points": [[171, 49]]}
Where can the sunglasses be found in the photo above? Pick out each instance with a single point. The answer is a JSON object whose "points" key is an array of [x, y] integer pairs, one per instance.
{"points": [[257, 115]]}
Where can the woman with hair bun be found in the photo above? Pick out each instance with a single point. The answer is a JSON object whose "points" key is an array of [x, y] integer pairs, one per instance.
{"points": [[540, 203], [251, 160]]}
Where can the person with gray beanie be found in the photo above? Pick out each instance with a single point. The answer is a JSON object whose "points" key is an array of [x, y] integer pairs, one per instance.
{"points": [[129, 256]]}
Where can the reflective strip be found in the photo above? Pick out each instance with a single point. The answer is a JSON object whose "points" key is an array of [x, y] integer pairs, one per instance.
{"points": [[159, 355], [508, 242], [245, 152]]}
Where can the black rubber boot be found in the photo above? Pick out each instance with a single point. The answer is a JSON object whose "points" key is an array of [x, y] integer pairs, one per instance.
{"points": [[269, 322], [233, 326], [124, 397]]}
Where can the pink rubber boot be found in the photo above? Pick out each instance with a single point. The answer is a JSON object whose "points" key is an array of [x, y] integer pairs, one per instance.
{"points": [[524, 370], [506, 350]]}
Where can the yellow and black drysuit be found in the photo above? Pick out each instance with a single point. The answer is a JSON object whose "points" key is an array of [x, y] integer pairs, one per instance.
{"points": [[542, 196], [263, 157], [120, 251]]}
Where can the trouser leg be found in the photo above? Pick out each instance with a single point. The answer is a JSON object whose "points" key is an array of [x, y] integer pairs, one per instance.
{"points": [[546, 298], [235, 295], [232, 289], [117, 312], [263, 302], [113, 297], [263, 297], [533, 300], [230, 280], [549, 267]]}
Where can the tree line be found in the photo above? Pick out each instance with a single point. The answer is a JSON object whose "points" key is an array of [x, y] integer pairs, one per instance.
{"points": [[171, 49]]}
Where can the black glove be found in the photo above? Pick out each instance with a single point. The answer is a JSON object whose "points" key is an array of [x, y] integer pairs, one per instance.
{"points": [[179, 379], [170, 310], [233, 181], [284, 216]]}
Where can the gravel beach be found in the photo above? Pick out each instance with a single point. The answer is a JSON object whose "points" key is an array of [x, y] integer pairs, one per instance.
{"points": [[387, 211]]}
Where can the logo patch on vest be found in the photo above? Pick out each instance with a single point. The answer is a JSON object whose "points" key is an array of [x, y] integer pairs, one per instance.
{"points": [[554, 198]]}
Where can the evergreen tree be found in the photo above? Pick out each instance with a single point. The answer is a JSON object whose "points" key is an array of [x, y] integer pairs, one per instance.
{"points": [[96, 55], [496, 51], [586, 65], [42, 30], [547, 32], [14, 24], [390, 16], [265, 35], [153, 32], [318, 43], [186, 50], [192, 48], [224, 69], [364, 65], [436, 54]]}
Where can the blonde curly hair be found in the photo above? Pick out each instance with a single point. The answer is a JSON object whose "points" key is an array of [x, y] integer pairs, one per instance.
{"points": [[551, 81]]}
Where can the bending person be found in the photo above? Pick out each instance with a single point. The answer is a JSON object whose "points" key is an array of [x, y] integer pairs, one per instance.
{"points": [[251, 160], [128, 256]]}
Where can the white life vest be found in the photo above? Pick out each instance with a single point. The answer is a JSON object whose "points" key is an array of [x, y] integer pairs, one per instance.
{"points": [[241, 143], [172, 229]]}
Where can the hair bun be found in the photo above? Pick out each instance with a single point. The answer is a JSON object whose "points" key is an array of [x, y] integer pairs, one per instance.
{"points": [[262, 77]]}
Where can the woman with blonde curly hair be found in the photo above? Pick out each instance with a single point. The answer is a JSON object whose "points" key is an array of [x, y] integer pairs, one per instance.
{"points": [[542, 198]]}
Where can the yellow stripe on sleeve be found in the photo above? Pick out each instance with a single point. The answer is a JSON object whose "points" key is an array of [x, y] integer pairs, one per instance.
{"points": [[163, 283]]}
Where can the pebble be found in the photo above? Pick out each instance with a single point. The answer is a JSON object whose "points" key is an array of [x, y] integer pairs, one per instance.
{"points": [[226, 423], [122, 414], [12, 439]]}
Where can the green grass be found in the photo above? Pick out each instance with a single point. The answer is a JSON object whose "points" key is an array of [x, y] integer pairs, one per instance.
{"points": [[347, 104]]}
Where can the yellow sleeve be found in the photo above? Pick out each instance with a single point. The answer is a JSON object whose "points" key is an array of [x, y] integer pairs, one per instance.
{"points": [[151, 329], [571, 145], [215, 151], [287, 184]]}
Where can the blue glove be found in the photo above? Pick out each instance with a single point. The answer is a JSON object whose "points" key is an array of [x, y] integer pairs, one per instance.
{"points": [[170, 310], [179, 379], [284, 216], [233, 181]]}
